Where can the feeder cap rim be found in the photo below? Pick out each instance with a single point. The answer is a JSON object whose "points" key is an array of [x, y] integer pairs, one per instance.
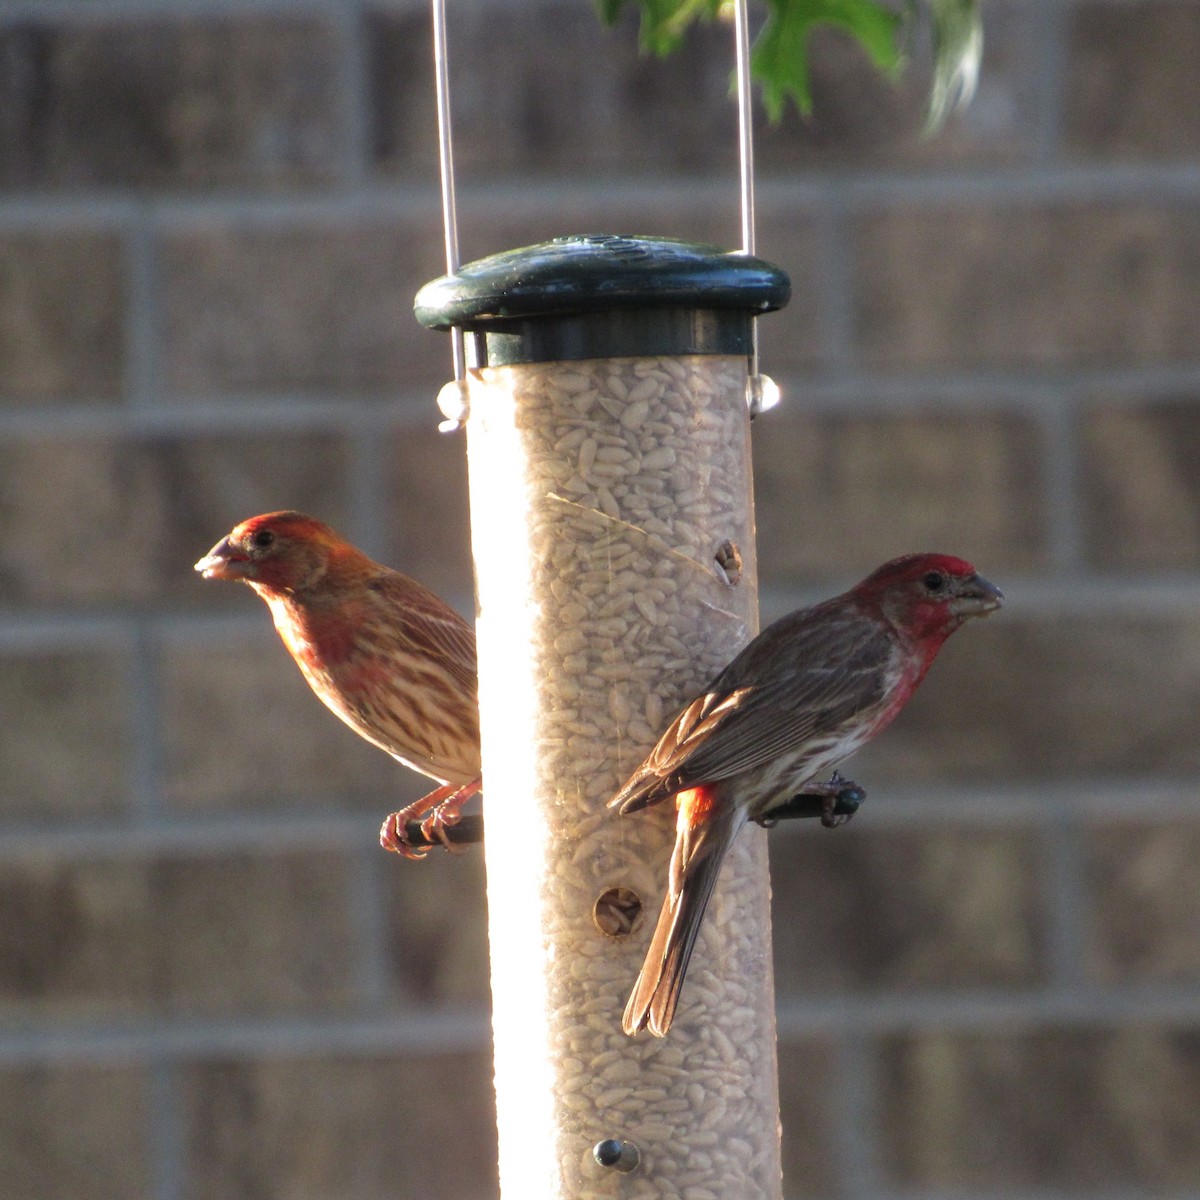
{"points": [[593, 273]]}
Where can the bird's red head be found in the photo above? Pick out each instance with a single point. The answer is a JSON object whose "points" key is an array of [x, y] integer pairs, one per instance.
{"points": [[928, 596], [278, 552]]}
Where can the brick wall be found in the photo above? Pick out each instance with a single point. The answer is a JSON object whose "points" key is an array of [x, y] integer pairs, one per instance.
{"points": [[213, 218]]}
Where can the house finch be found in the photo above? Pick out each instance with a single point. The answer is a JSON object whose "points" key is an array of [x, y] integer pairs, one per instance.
{"points": [[803, 695], [384, 653]]}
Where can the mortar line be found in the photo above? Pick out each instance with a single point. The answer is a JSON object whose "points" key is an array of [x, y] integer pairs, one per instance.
{"points": [[1064, 903], [1015, 188], [271, 412], [857, 1149], [1034, 1193], [1052, 393], [1007, 1013], [1050, 19], [417, 1033], [354, 100], [142, 308], [370, 446], [165, 1131], [145, 759], [835, 262], [96, 12], [368, 911], [431, 1031], [1062, 486]]}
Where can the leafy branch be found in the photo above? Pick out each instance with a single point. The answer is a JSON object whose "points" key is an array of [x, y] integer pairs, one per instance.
{"points": [[779, 59]]}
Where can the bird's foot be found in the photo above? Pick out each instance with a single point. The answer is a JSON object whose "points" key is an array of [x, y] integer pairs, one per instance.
{"points": [[433, 815], [840, 799], [835, 801], [445, 815]]}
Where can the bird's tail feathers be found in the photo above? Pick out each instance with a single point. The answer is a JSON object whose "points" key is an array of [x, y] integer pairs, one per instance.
{"points": [[695, 864], [641, 790]]}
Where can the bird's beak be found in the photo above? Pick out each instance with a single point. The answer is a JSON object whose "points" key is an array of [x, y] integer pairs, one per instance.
{"points": [[976, 597], [224, 561]]}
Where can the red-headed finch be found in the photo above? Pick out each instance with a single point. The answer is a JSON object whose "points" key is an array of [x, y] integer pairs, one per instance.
{"points": [[806, 693], [384, 653]]}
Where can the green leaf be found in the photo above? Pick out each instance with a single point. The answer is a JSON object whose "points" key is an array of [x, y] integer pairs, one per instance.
{"points": [[664, 22], [609, 10], [780, 58], [957, 52]]}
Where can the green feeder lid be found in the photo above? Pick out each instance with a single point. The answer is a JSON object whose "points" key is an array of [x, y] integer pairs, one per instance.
{"points": [[601, 296]]}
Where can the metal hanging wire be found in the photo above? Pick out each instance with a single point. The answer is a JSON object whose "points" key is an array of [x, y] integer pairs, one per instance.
{"points": [[452, 399], [741, 32], [761, 391]]}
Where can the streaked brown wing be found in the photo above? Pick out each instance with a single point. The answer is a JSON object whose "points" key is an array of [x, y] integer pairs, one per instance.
{"points": [[431, 627], [807, 674], [698, 721]]}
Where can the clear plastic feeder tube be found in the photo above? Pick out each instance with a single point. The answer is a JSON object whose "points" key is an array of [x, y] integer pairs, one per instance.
{"points": [[613, 536]]}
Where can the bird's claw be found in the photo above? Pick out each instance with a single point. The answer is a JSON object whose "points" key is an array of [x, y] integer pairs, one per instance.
{"points": [[393, 836], [835, 801], [829, 818], [841, 801], [436, 824], [432, 815]]}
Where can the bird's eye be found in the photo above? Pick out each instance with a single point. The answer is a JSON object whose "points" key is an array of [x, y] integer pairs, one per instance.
{"points": [[263, 538], [934, 581]]}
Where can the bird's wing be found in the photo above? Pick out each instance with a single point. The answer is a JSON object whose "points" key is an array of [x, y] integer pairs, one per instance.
{"points": [[431, 627], [807, 680]]}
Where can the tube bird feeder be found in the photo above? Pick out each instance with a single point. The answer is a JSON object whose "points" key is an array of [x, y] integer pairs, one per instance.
{"points": [[612, 526]]}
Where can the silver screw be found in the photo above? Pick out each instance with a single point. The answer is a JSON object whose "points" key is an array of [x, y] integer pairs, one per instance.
{"points": [[617, 1155]]}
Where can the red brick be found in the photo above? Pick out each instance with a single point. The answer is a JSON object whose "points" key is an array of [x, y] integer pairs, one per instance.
{"points": [[1020, 698], [952, 286], [242, 730], [189, 103], [61, 319], [429, 534], [1143, 902], [437, 932], [837, 495], [74, 1132], [1062, 1109], [330, 307], [522, 104], [127, 517], [249, 934], [370, 1128], [864, 909], [1141, 485], [75, 943], [65, 738], [808, 1108], [1131, 88], [225, 934]]}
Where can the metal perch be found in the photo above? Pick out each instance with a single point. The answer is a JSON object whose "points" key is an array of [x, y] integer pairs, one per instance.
{"points": [[802, 806]]}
